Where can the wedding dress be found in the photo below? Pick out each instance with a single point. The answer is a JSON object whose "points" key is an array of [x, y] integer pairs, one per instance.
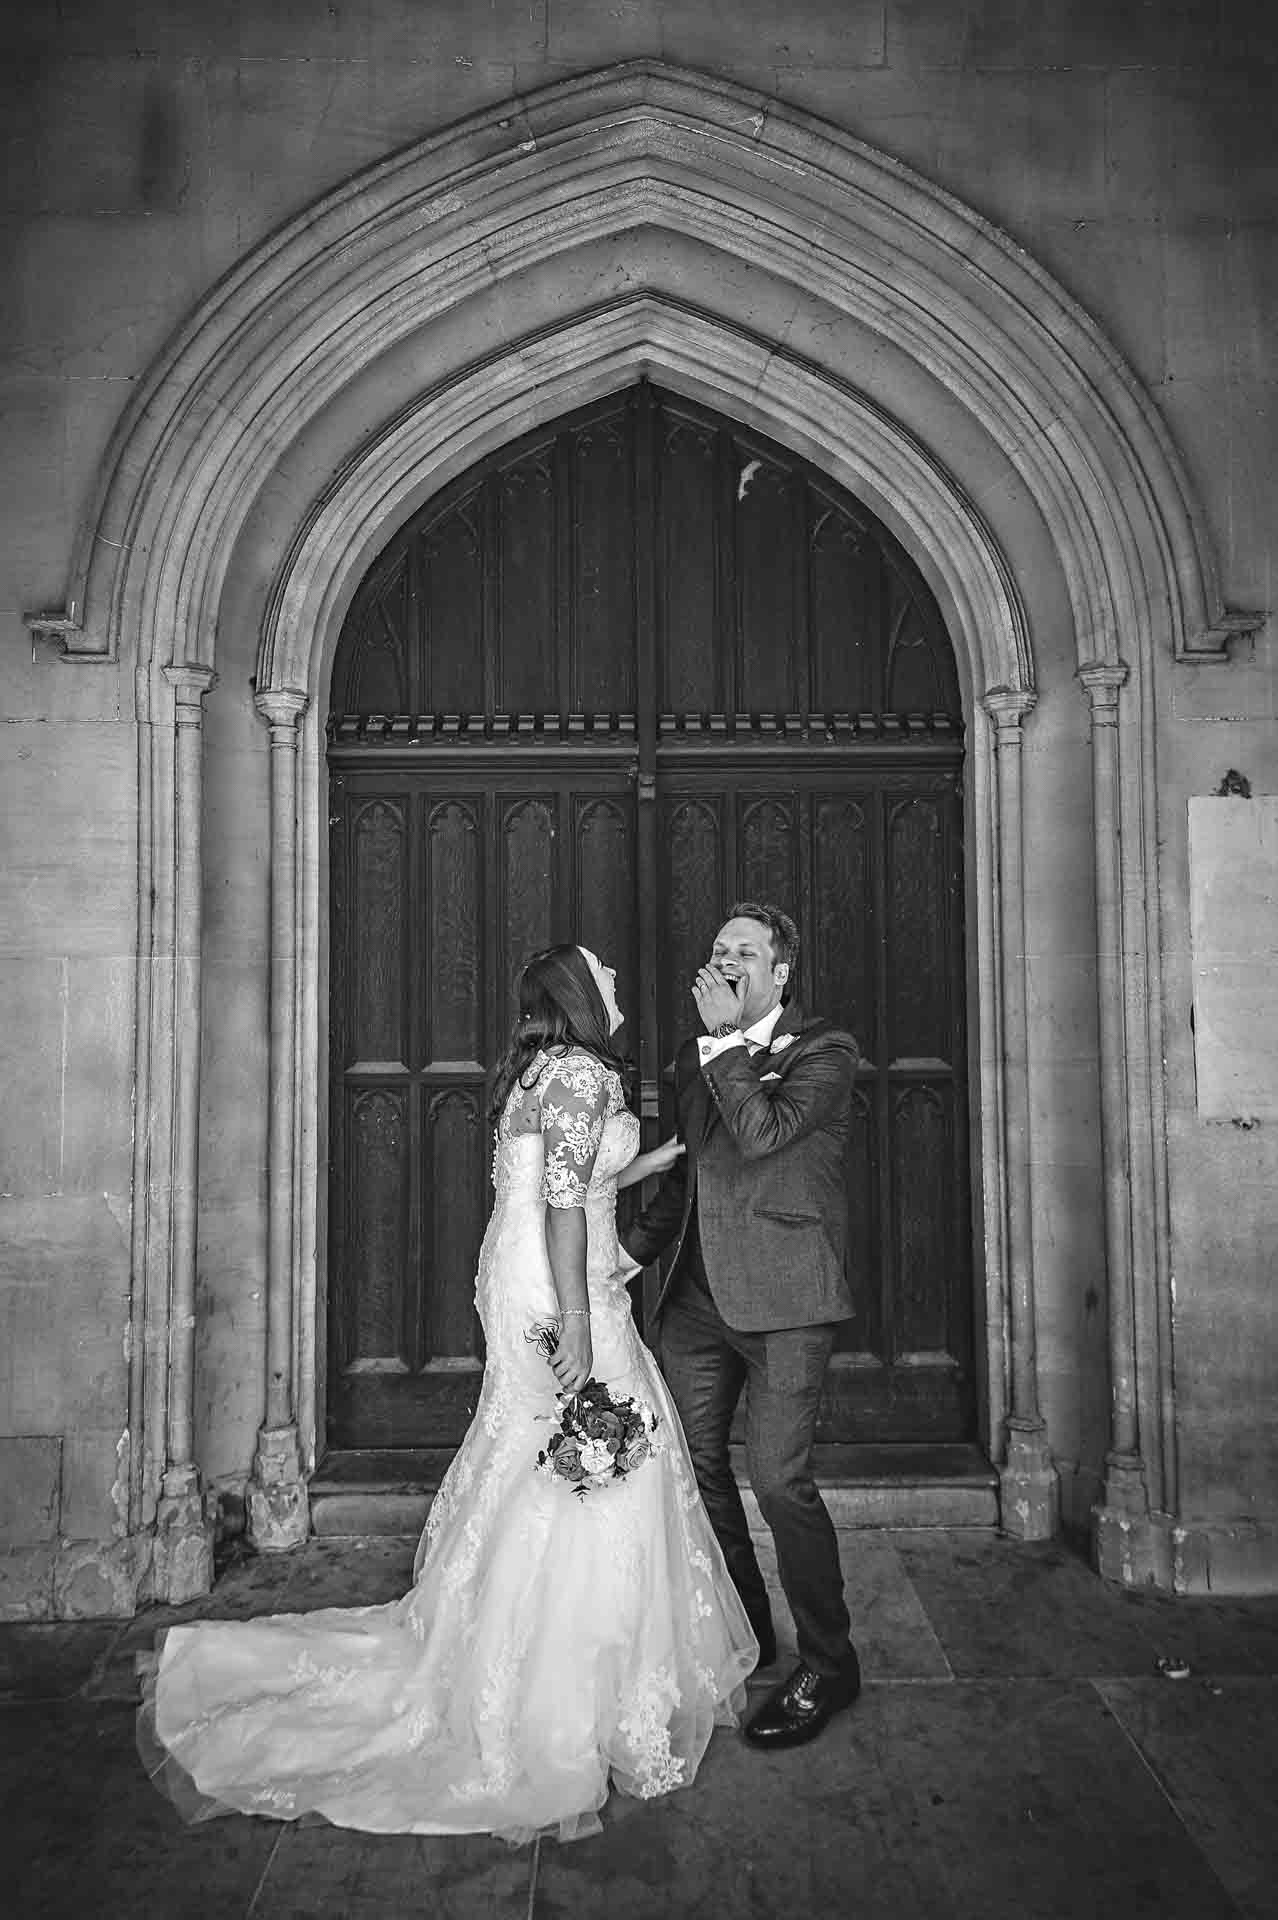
{"points": [[552, 1643]]}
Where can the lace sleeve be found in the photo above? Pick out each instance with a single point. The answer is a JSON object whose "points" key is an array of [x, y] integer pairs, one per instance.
{"points": [[574, 1097]]}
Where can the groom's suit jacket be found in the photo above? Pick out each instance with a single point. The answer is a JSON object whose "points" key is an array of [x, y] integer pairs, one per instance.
{"points": [[763, 1177]]}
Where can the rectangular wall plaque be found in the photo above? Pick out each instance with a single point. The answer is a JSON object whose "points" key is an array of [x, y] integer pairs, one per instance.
{"points": [[1233, 896]]}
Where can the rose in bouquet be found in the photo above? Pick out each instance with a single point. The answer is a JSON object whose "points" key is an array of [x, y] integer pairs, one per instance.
{"points": [[600, 1436]]}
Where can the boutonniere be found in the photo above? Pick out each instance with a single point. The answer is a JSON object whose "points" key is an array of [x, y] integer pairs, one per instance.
{"points": [[782, 1041]]}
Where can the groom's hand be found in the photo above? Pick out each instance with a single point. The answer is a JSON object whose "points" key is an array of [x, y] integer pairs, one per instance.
{"points": [[718, 1000]]}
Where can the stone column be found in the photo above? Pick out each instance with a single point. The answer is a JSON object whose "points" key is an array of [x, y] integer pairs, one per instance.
{"points": [[183, 1563], [1120, 1522], [1030, 1494], [278, 1507]]}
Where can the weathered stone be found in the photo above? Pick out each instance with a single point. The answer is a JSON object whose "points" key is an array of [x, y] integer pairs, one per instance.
{"points": [[26, 1582], [276, 1496], [183, 1549], [100, 1579], [30, 1490]]}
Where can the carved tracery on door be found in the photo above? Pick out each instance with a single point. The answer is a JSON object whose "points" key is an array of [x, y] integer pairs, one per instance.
{"points": [[637, 664]]}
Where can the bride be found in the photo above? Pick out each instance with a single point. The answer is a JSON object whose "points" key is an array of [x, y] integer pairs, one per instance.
{"points": [[554, 1640]]}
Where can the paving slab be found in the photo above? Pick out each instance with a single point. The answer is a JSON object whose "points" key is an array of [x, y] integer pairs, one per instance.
{"points": [[1213, 1745], [1012, 1755], [319, 1870], [53, 1661], [84, 1832], [929, 1801], [1001, 1608]]}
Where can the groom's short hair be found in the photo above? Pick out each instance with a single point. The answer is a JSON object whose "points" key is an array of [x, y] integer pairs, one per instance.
{"points": [[782, 932]]}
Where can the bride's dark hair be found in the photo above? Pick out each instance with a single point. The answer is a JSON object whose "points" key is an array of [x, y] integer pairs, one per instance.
{"points": [[560, 1006]]}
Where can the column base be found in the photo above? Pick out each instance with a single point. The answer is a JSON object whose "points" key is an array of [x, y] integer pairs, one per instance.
{"points": [[182, 1562], [278, 1506], [1129, 1545], [1029, 1487]]}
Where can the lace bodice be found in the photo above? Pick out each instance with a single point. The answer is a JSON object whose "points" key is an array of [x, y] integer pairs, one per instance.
{"points": [[565, 1125]]}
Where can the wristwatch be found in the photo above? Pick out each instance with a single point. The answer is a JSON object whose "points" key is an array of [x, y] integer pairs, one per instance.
{"points": [[722, 1033]]}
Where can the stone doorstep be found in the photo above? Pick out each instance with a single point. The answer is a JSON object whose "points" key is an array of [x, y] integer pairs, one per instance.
{"points": [[385, 1491]]}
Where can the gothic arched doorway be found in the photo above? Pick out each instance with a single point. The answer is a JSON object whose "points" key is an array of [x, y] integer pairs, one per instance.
{"points": [[640, 662]]}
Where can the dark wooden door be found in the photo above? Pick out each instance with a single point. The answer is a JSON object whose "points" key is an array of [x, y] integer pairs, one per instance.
{"points": [[636, 666]]}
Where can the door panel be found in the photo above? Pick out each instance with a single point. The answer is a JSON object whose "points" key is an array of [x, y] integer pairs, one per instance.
{"points": [[637, 665]]}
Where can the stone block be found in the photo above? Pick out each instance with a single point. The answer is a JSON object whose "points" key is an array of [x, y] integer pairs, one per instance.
{"points": [[33, 1014], [30, 1489], [37, 682], [993, 35], [26, 1582], [141, 121], [1191, 146], [1219, 277], [1239, 1558], [711, 34], [68, 882], [230, 1364], [67, 1058], [63, 1312], [145, 273], [97, 1116], [95, 1482], [100, 1579]]}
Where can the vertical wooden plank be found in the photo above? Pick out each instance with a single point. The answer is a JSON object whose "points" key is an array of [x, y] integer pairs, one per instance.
{"points": [[341, 1290], [922, 1168], [692, 880], [766, 567], [864, 1334], [527, 677], [842, 970], [377, 1212], [768, 842], [691, 670], [604, 890], [919, 672], [455, 1159], [379, 890], [919, 1023], [376, 660], [844, 621], [450, 559], [453, 971], [527, 860], [602, 592]]}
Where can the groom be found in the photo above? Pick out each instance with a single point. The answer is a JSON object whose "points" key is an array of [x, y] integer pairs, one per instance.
{"points": [[757, 1209]]}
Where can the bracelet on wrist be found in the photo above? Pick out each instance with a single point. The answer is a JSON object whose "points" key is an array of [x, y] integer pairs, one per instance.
{"points": [[722, 1033], [584, 1312]]}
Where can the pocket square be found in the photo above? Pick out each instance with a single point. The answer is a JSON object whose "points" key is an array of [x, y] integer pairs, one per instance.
{"points": [[768, 1076]]}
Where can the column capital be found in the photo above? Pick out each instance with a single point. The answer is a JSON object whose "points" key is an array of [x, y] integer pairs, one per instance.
{"points": [[1007, 707], [281, 707], [1103, 680], [190, 682]]}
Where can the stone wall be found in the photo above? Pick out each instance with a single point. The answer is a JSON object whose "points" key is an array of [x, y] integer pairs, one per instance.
{"points": [[150, 146]]}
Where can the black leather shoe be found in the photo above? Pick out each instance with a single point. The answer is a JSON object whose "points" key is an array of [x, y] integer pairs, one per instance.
{"points": [[798, 1709]]}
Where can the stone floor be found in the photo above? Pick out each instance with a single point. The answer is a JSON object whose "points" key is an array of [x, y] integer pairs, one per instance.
{"points": [[1015, 1753]]}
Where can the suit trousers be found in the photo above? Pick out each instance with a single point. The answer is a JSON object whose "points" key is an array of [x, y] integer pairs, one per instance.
{"points": [[707, 1365]]}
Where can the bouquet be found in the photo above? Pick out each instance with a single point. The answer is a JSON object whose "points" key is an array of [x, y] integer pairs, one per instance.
{"points": [[600, 1436]]}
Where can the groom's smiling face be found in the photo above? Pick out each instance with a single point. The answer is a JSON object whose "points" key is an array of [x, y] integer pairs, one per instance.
{"points": [[742, 951]]}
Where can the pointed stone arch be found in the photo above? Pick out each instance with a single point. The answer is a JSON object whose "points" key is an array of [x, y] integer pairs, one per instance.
{"points": [[443, 229]]}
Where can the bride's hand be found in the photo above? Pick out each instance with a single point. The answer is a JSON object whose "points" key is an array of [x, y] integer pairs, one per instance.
{"points": [[662, 1158], [659, 1160], [574, 1356]]}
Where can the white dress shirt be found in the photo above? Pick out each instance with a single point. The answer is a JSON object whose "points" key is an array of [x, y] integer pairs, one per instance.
{"points": [[759, 1035]]}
